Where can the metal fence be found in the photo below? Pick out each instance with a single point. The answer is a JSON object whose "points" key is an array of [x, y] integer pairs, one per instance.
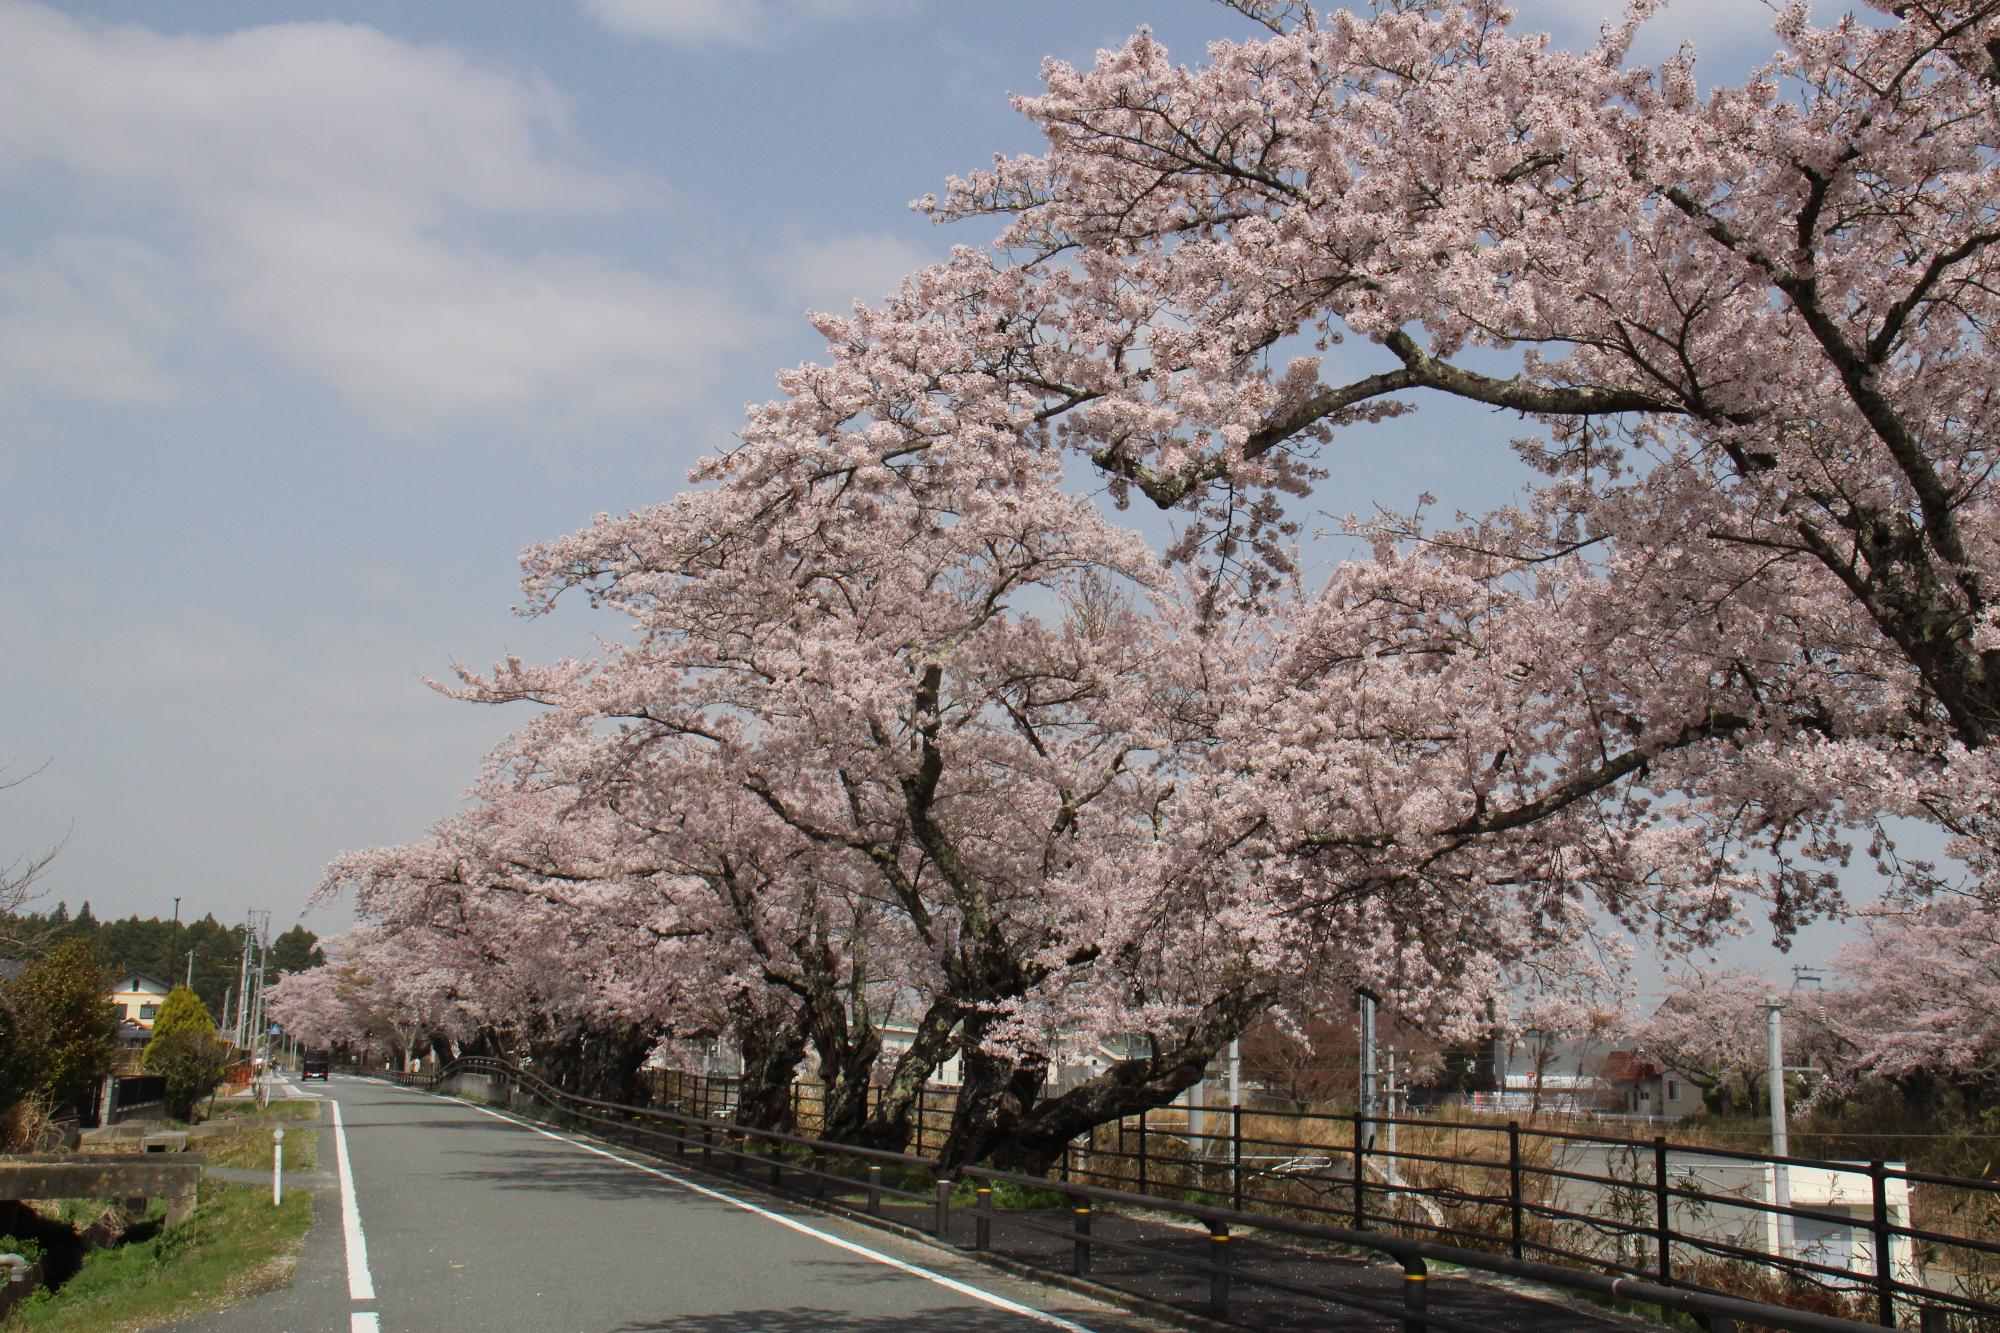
{"points": [[1840, 1237], [1237, 1171]]}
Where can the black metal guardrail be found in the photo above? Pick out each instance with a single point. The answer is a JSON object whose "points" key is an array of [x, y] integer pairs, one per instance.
{"points": [[1508, 1200], [1649, 1190], [725, 1145]]}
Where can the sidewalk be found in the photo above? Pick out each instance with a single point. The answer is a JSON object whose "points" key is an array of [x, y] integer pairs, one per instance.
{"points": [[1489, 1302]]}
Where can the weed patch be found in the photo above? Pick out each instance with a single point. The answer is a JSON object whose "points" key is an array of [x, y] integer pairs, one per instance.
{"points": [[235, 1245]]}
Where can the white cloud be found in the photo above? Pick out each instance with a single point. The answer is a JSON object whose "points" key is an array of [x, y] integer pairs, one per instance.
{"points": [[831, 273], [329, 191], [87, 316], [724, 22]]}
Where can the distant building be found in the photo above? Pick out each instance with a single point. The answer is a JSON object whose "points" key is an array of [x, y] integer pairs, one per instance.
{"points": [[1646, 1088], [138, 998], [899, 1037]]}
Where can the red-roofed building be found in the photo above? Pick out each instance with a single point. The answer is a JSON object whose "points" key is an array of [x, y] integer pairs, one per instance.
{"points": [[1646, 1088]]}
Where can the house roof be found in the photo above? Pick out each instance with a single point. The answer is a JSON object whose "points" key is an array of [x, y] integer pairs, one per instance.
{"points": [[1630, 1067], [139, 981]]}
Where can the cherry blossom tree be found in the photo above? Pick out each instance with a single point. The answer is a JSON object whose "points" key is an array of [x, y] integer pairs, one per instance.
{"points": [[1751, 327], [1709, 1028], [905, 723], [1919, 994]]}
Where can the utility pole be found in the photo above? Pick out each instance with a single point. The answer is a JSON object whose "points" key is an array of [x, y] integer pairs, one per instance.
{"points": [[1781, 1176], [243, 1030], [242, 988], [1389, 1168], [1368, 1093], [174, 936]]}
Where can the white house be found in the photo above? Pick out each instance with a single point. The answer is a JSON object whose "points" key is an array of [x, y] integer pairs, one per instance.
{"points": [[137, 998]]}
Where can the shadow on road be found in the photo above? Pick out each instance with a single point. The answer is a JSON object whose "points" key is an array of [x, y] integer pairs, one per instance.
{"points": [[537, 1172], [806, 1319]]}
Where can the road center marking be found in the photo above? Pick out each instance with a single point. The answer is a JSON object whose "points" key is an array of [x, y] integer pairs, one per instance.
{"points": [[360, 1286], [950, 1284], [365, 1321]]}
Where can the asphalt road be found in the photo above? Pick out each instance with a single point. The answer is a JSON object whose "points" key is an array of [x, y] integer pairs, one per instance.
{"points": [[469, 1219]]}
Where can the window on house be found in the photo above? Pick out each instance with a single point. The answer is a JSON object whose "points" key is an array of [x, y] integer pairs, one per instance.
{"points": [[1673, 1091], [146, 1012]]}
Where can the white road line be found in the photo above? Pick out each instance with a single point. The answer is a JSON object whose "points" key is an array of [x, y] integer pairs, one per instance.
{"points": [[365, 1321], [360, 1286], [950, 1284]]}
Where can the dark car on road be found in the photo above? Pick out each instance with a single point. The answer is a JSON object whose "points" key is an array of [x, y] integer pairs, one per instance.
{"points": [[313, 1065]]}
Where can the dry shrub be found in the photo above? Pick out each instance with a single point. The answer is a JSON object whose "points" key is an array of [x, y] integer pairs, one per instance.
{"points": [[1755, 1282], [28, 1124]]}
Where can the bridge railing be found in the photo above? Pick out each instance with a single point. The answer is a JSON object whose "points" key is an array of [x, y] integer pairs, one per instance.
{"points": [[874, 1181]]}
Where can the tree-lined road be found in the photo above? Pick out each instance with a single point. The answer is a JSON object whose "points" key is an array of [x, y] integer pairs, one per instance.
{"points": [[469, 1219]]}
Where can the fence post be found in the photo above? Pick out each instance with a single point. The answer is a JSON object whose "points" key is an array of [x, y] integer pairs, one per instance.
{"points": [[1663, 1210], [1360, 1174], [1416, 1294], [1515, 1218], [1080, 1247], [1142, 1150], [982, 1219], [1236, 1156], [1068, 1148], [1885, 1268], [875, 1188], [942, 1221], [1218, 1280]]}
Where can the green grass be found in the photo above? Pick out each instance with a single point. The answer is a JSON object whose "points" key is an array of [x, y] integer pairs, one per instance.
{"points": [[250, 1147], [287, 1111], [234, 1246], [1007, 1196]]}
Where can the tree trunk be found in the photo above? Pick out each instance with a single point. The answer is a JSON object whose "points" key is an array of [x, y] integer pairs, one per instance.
{"points": [[847, 1067], [1038, 1141], [995, 1098], [893, 1120], [772, 1049]]}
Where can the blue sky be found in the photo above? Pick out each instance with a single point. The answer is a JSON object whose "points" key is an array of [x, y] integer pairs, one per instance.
{"points": [[312, 317]]}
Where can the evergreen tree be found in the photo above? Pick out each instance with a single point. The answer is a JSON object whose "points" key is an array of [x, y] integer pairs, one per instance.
{"points": [[181, 1009], [185, 1050], [67, 1025], [295, 951]]}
